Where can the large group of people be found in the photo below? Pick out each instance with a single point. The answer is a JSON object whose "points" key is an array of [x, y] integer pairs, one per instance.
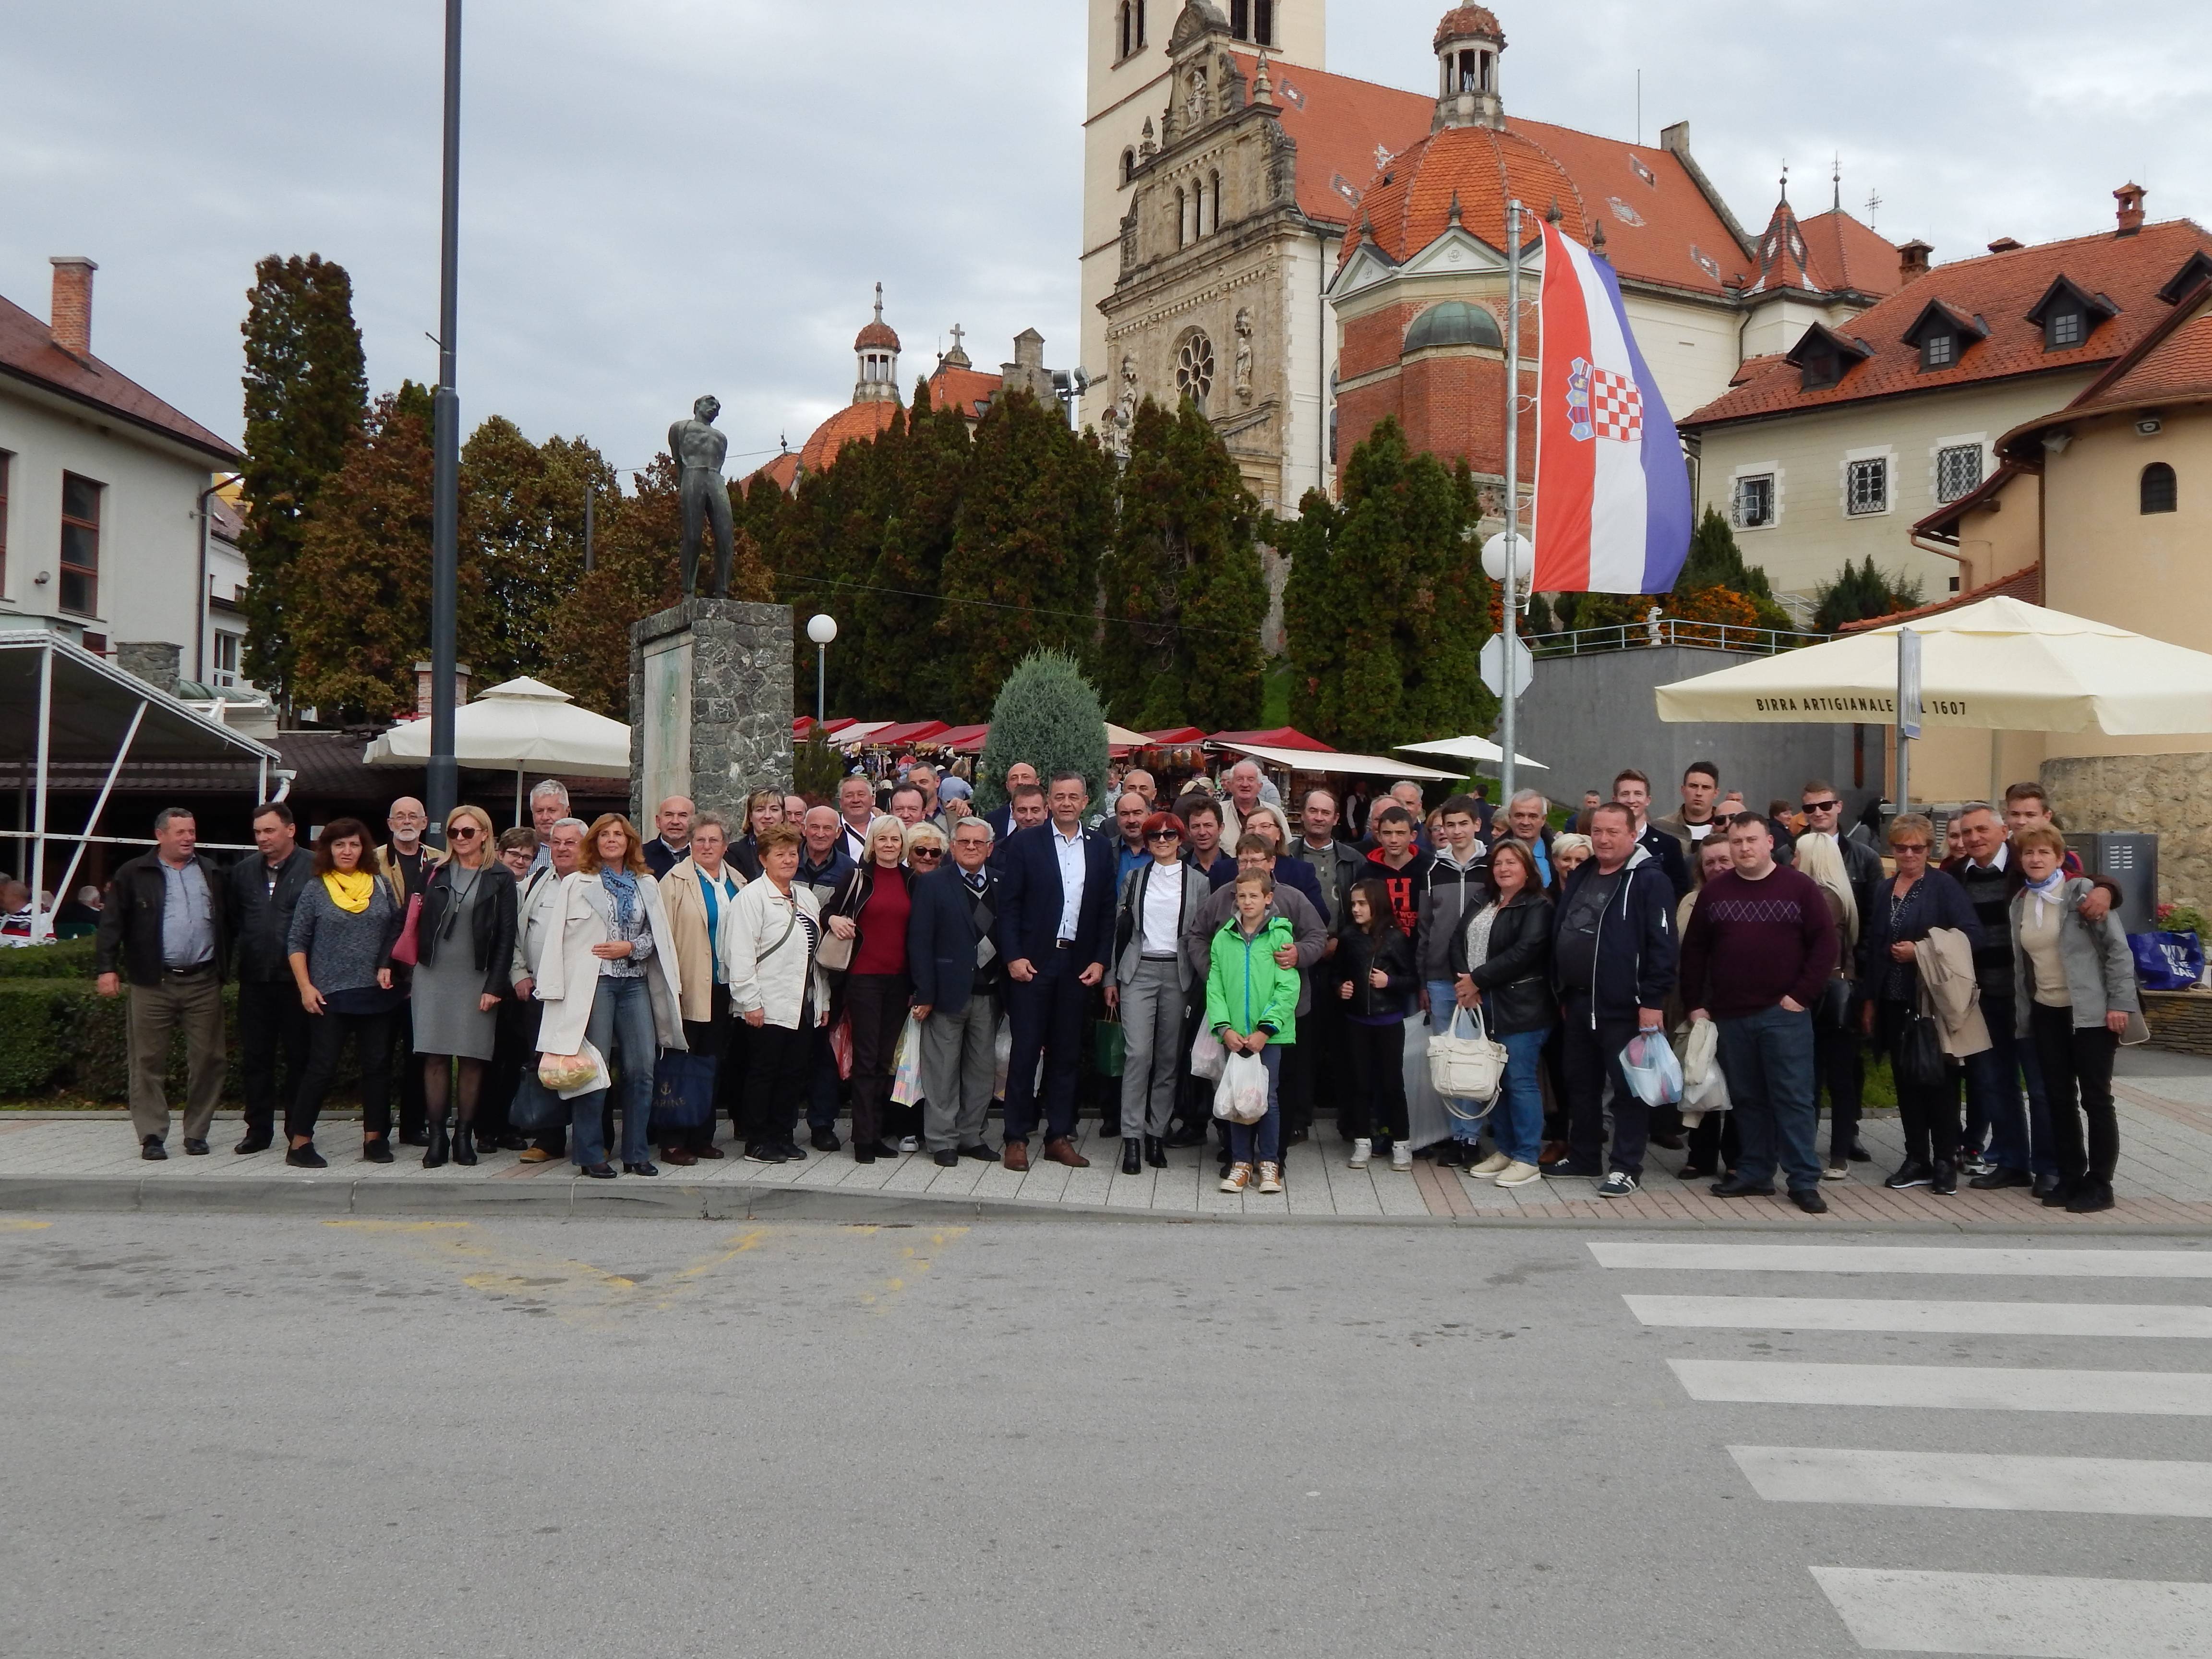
{"points": [[900, 960]]}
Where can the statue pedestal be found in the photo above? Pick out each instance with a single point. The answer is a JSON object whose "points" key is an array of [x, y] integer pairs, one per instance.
{"points": [[710, 699]]}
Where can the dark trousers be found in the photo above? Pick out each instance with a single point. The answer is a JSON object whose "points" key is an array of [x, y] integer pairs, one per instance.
{"points": [[1374, 1107], [372, 1046], [414, 1113], [776, 1062], [709, 1038], [1715, 1142], [1930, 1111], [272, 1050], [2077, 1082], [1047, 1017], [730, 1075], [1555, 1071], [876, 1004], [513, 1046], [1840, 1061], [824, 1088], [1591, 1055], [1768, 1060]]}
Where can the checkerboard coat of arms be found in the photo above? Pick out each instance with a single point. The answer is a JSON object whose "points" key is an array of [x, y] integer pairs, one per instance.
{"points": [[1602, 404]]}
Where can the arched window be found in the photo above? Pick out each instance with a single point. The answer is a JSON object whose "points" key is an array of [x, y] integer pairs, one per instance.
{"points": [[1140, 22], [1128, 165], [2158, 491], [1128, 28], [1263, 22], [1182, 218], [1213, 194], [1240, 19]]}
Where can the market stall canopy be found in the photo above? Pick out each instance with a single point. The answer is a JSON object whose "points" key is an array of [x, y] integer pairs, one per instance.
{"points": [[1469, 748], [1176, 737], [1999, 665], [804, 726], [1333, 760], [1120, 737], [1283, 737], [525, 725], [853, 734], [963, 739], [908, 732]]}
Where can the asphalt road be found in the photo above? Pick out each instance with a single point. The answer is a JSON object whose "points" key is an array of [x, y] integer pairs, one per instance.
{"points": [[242, 1437]]}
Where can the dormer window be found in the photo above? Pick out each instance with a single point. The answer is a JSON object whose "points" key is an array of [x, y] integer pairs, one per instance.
{"points": [[1822, 357], [1941, 335], [2069, 314], [1938, 351], [2062, 329]]}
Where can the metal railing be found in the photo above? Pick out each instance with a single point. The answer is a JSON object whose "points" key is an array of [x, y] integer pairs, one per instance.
{"points": [[1672, 630]]}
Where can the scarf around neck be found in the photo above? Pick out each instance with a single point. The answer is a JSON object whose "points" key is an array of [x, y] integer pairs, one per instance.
{"points": [[621, 890], [351, 890], [2046, 891]]}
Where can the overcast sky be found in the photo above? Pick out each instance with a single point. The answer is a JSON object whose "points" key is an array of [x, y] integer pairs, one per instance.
{"points": [[663, 197]]}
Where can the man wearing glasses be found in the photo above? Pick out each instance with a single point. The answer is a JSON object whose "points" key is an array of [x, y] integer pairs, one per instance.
{"points": [[406, 865], [1838, 1057]]}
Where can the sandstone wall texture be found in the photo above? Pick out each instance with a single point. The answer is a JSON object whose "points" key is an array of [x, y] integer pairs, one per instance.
{"points": [[2166, 795], [741, 700]]}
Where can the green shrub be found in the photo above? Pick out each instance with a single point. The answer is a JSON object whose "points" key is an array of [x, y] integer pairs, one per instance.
{"points": [[1050, 716], [62, 961]]}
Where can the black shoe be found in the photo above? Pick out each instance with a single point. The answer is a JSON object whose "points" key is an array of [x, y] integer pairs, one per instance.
{"points": [[195, 1148], [1736, 1187], [1297, 1137], [599, 1171], [1694, 1172], [1859, 1154], [863, 1153], [2045, 1185], [882, 1149], [2001, 1178], [980, 1153], [152, 1150], [378, 1151], [254, 1143], [642, 1169], [1910, 1173], [1156, 1152], [510, 1142], [1944, 1178], [947, 1159], [1669, 1142], [825, 1140], [790, 1151], [465, 1146], [1810, 1200], [1132, 1155], [438, 1149], [2060, 1195], [763, 1151], [1567, 1169], [414, 1137], [306, 1158], [1188, 1137], [2090, 1197]]}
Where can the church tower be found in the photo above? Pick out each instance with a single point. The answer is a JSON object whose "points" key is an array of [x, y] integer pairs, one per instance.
{"points": [[1127, 89], [877, 348]]}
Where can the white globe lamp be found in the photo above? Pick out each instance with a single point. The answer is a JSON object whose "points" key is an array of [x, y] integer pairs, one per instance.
{"points": [[822, 629], [1505, 545]]}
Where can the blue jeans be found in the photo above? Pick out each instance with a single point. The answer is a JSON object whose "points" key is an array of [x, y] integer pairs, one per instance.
{"points": [[621, 1027], [1262, 1142], [2018, 1139], [1767, 1058], [1519, 1129], [1443, 1008]]}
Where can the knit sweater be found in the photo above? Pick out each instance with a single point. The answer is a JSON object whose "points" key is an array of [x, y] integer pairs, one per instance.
{"points": [[343, 950], [1750, 944]]}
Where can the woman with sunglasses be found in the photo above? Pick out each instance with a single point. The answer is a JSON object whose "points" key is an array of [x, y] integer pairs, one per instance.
{"points": [[465, 943], [1153, 976], [871, 906], [1907, 908]]}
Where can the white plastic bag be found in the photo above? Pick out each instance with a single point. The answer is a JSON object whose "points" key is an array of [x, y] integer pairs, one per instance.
{"points": [[1704, 1085], [576, 1080], [1207, 1055], [1653, 1072], [906, 1064], [1240, 1097]]}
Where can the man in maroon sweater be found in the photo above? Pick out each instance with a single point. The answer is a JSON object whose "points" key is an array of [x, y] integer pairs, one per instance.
{"points": [[1758, 949]]}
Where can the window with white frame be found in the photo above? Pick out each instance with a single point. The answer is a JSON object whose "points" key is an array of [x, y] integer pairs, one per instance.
{"points": [[1866, 486], [1958, 471], [225, 658], [1753, 505]]}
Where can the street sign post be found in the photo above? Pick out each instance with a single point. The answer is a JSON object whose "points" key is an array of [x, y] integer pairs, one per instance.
{"points": [[1493, 660], [1908, 711]]}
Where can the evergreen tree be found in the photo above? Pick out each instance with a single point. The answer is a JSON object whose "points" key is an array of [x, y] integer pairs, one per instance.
{"points": [[1715, 561], [1048, 714], [815, 769], [307, 392], [1859, 593], [901, 611], [522, 523], [1184, 593]]}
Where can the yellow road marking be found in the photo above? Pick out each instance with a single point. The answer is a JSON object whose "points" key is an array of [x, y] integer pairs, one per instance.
{"points": [[22, 1226]]}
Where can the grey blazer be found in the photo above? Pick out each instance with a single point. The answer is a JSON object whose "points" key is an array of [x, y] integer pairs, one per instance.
{"points": [[2100, 969], [1129, 921]]}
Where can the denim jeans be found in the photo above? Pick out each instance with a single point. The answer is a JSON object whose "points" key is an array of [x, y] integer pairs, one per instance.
{"points": [[1518, 1127], [1262, 1142], [622, 1029], [1443, 1008], [2019, 1138], [1767, 1058]]}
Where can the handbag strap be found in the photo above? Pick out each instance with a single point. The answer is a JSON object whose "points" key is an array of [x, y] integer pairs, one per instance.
{"points": [[1474, 1016], [790, 927]]}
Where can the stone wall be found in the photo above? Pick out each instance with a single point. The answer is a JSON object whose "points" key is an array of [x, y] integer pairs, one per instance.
{"points": [[2166, 795], [739, 714]]}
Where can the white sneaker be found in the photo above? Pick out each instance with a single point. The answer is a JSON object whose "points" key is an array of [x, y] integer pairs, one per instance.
{"points": [[1491, 1165], [1361, 1150], [910, 1144], [1401, 1157], [1271, 1177], [1518, 1174], [1238, 1178]]}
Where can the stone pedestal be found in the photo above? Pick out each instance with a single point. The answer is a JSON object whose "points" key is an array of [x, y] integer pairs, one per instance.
{"points": [[710, 699]]}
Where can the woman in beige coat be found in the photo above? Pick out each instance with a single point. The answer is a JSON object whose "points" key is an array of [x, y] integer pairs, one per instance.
{"points": [[699, 893]]}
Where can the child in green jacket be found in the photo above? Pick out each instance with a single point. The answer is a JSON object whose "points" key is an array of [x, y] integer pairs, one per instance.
{"points": [[1251, 1005]]}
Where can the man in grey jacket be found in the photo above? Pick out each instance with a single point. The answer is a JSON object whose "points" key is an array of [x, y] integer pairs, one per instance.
{"points": [[537, 914]]}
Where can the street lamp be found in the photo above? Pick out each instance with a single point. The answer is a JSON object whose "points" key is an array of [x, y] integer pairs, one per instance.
{"points": [[821, 630]]}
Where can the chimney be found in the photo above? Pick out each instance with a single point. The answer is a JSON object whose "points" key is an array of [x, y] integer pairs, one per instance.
{"points": [[1912, 260], [423, 687], [2129, 196], [157, 662], [1675, 138], [2005, 244], [72, 325]]}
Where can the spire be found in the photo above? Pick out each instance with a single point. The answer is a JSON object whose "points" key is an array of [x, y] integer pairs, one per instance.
{"points": [[1836, 178], [879, 302], [1551, 214], [957, 357], [1597, 237], [1785, 181], [1263, 90]]}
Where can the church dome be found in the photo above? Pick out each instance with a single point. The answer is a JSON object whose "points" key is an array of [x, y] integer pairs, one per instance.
{"points": [[1461, 22], [1474, 171], [879, 335], [1454, 323]]}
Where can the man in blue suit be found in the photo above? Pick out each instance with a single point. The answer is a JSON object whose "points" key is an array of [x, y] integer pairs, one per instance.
{"points": [[1055, 900]]}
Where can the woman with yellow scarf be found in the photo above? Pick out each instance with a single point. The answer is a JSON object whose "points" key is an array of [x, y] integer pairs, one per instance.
{"points": [[341, 953]]}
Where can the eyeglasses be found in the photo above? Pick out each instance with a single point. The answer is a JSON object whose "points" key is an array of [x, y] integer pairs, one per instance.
{"points": [[1822, 806], [926, 852], [463, 832], [1164, 835], [1920, 846]]}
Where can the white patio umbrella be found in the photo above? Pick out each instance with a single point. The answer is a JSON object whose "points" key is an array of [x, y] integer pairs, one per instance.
{"points": [[1998, 665], [1469, 748], [525, 724]]}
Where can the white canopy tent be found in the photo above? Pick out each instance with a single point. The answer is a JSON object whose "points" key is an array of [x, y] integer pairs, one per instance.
{"points": [[1478, 750], [1330, 760], [524, 725]]}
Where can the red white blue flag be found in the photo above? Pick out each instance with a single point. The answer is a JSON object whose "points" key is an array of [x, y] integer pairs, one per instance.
{"points": [[1613, 493]]}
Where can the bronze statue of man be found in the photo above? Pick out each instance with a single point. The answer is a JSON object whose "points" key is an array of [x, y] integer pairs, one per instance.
{"points": [[699, 451]]}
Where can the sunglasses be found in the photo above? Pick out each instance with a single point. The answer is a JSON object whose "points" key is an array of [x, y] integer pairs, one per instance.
{"points": [[1164, 835], [1920, 846], [1822, 806], [463, 832], [926, 852]]}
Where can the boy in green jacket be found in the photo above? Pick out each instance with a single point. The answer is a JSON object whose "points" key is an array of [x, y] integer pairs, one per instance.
{"points": [[1251, 1004]]}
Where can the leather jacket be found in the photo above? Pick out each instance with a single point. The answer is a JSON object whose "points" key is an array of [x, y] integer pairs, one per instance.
{"points": [[1516, 975]]}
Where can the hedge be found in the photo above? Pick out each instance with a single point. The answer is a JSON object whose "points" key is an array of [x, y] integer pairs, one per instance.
{"points": [[70, 959]]}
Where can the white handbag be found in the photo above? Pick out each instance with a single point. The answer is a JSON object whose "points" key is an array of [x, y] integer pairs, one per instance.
{"points": [[1471, 1067]]}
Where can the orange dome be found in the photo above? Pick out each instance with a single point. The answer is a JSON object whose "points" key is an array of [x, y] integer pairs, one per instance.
{"points": [[1463, 20], [1481, 169], [855, 423], [878, 333]]}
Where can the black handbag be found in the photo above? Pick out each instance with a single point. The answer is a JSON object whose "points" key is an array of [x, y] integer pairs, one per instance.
{"points": [[1917, 1057]]}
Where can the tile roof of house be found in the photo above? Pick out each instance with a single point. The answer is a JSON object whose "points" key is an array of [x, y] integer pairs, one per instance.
{"points": [[2177, 366], [2024, 584], [2000, 288], [28, 352], [854, 423], [968, 390], [1846, 254], [779, 471], [1340, 125]]}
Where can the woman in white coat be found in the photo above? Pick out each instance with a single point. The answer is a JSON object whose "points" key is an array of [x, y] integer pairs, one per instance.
{"points": [[777, 989], [613, 981]]}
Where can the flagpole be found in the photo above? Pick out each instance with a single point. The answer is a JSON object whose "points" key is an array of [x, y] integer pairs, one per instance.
{"points": [[1512, 487]]}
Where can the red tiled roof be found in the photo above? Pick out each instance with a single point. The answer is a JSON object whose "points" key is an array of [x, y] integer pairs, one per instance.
{"points": [[1466, 20], [877, 333], [27, 351], [781, 471], [854, 423], [2025, 585], [1846, 254], [2177, 366], [2000, 288], [1338, 123], [968, 389]]}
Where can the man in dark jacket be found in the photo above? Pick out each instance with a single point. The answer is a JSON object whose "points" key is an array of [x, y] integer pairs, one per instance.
{"points": [[1613, 959], [272, 1024], [954, 963], [1633, 790], [167, 926], [823, 865]]}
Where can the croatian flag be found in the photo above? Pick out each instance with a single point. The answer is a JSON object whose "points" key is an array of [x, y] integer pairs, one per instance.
{"points": [[1613, 493]]}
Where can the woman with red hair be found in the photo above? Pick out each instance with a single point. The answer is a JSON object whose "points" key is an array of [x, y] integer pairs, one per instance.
{"points": [[1151, 986]]}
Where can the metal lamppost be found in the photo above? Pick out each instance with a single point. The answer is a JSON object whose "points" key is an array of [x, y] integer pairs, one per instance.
{"points": [[442, 785], [821, 630]]}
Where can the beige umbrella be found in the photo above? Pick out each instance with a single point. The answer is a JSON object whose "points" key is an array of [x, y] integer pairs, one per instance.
{"points": [[523, 725], [1998, 665]]}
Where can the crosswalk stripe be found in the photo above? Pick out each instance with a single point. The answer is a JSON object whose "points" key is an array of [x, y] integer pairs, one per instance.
{"points": [[1967, 1480], [1959, 1388], [2029, 1618], [1908, 1259], [1806, 1313]]}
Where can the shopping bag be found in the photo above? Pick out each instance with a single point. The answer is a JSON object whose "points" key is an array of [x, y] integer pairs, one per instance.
{"points": [[1109, 1045], [683, 1092], [2166, 961], [906, 1064], [1207, 1056], [1240, 1097], [1704, 1084], [1918, 1057], [571, 1075], [535, 1111], [1654, 1075], [1002, 1058], [1466, 1068], [840, 1046], [407, 948]]}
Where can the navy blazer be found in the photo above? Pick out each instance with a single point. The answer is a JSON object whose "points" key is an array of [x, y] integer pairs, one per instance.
{"points": [[941, 939], [1029, 898]]}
